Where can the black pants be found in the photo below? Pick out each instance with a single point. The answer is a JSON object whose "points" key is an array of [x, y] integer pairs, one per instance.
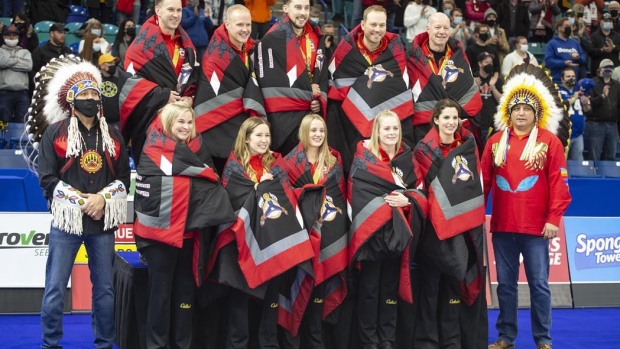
{"points": [[171, 295], [238, 322], [259, 30], [437, 322], [311, 328], [377, 305]]}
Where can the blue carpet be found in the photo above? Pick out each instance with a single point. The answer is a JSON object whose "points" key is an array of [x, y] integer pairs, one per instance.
{"points": [[572, 329]]}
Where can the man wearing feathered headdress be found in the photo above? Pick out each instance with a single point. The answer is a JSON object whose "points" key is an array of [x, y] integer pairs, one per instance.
{"points": [[83, 170], [524, 166]]}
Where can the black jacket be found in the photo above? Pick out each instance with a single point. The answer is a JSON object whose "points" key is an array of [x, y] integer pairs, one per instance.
{"points": [[44, 54], [604, 109], [593, 48], [522, 25]]}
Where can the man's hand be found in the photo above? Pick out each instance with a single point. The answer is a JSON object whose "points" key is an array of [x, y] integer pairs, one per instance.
{"points": [[328, 41], [187, 99], [549, 231], [94, 205], [30, 30], [174, 96], [493, 40], [316, 90], [315, 106], [575, 55], [605, 91], [478, 80], [570, 63]]}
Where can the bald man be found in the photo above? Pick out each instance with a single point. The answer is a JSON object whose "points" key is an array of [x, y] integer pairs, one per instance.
{"points": [[226, 95], [439, 69]]}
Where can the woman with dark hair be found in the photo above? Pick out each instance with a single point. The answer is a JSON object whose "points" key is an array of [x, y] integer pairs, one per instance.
{"points": [[452, 307], [125, 35], [28, 39]]}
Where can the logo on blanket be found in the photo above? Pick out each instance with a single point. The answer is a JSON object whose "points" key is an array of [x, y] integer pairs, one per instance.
{"points": [[450, 72], [398, 174], [329, 210], [377, 73], [271, 208], [320, 57], [461, 171]]}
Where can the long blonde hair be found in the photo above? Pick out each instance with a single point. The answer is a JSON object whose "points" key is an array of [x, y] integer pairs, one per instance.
{"points": [[325, 159], [242, 149], [169, 114], [373, 145]]}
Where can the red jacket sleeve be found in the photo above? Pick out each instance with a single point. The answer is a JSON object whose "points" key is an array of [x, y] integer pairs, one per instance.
{"points": [[559, 196]]}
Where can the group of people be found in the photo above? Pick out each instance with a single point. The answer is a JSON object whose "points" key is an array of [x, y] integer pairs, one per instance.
{"points": [[340, 188]]}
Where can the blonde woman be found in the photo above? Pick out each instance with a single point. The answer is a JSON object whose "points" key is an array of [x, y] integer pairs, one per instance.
{"points": [[386, 212], [176, 170], [99, 43]]}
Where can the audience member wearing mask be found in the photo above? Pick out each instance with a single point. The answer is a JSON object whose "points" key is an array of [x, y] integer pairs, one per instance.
{"points": [[497, 35], [459, 29], [109, 88], [603, 44], [481, 34], [197, 27], [15, 64], [416, 17], [601, 135], [315, 15], [577, 104], [261, 16], [614, 11], [447, 6], [490, 86], [124, 37], [563, 51], [28, 39], [576, 22], [518, 56], [541, 22], [100, 44]]}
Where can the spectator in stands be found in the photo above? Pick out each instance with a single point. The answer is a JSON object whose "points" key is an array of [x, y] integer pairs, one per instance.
{"points": [[15, 64], [124, 38], [90, 49], [579, 27], [416, 17], [601, 133], [100, 44], [197, 27], [100, 9], [48, 10], [563, 51], [53, 48], [12, 7], [578, 104], [329, 31], [447, 6], [110, 88], [603, 44], [497, 35], [28, 39], [315, 14], [261, 16], [518, 56], [475, 9], [614, 11], [490, 86], [459, 29], [541, 23], [592, 12], [481, 34], [514, 18]]}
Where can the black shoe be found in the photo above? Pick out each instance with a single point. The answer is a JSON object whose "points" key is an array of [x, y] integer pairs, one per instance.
{"points": [[385, 345], [371, 346]]}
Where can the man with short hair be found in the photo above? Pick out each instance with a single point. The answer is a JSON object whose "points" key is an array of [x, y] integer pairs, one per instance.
{"points": [[53, 48], [518, 56], [226, 94], [563, 51], [458, 28], [603, 44], [490, 86], [439, 68], [368, 71], [578, 104], [601, 133], [291, 73], [15, 64], [614, 12], [162, 60], [110, 88]]}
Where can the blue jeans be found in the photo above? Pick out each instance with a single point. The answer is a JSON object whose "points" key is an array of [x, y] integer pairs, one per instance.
{"points": [[535, 251], [575, 149], [602, 140], [11, 7], [63, 248], [13, 105]]}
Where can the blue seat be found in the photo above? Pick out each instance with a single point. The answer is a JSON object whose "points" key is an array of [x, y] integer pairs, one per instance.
{"points": [[110, 29], [608, 169], [6, 20], [75, 46], [578, 168], [43, 27], [74, 26], [77, 14]]}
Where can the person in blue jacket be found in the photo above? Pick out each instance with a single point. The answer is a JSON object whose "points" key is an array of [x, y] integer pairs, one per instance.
{"points": [[563, 51], [198, 26]]}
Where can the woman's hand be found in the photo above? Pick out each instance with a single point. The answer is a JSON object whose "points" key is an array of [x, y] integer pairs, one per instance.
{"points": [[396, 199]]}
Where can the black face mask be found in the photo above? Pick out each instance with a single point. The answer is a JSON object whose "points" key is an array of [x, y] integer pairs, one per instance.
{"points": [[484, 36], [21, 27], [130, 31], [613, 13], [88, 107], [570, 83], [568, 31], [488, 68], [112, 69], [490, 22]]}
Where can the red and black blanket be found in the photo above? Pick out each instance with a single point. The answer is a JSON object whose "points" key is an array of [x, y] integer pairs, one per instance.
{"points": [[285, 78], [453, 241], [176, 191], [153, 76], [328, 230], [226, 94], [451, 79], [377, 230], [361, 89]]}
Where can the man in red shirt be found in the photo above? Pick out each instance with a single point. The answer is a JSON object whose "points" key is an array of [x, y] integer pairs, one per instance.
{"points": [[524, 167]]}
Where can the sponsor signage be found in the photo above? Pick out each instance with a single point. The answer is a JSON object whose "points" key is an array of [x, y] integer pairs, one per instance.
{"points": [[123, 242]]}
